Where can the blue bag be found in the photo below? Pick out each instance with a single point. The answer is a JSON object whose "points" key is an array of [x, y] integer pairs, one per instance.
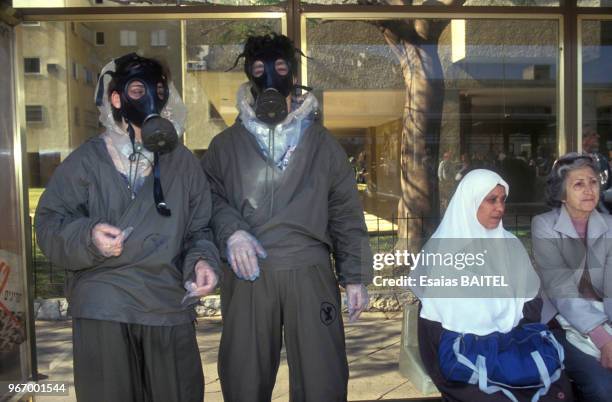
{"points": [[527, 357]]}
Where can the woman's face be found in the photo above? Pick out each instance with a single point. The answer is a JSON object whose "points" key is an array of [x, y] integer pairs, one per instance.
{"points": [[581, 191], [492, 208]]}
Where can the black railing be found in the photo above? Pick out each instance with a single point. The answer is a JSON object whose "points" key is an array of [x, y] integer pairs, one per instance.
{"points": [[48, 278]]}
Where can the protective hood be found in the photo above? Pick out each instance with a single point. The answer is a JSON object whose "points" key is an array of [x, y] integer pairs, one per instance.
{"points": [[118, 140], [279, 142]]}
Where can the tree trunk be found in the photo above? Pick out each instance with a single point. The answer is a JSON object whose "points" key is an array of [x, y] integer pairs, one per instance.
{"points": [[420, 143]]}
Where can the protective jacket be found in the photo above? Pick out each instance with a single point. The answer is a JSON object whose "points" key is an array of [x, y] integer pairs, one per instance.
{"points": [[299, 214], [144, 285]]}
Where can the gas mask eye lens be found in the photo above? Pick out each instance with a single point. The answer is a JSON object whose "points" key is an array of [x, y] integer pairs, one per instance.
{"points": [[257, 69], [136, 90], [281, 67]]}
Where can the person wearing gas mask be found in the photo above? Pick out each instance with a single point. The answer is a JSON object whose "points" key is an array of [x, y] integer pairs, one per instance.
{"points": [[284, 197], [127, 215]]}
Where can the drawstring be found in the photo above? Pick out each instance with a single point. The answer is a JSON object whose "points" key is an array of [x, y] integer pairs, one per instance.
{"points": [[271, 156], [158, 193], [133, 156], [274, 164]]}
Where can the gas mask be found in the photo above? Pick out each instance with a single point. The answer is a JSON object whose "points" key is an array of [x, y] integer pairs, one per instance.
{"points": [[144, 93], [272, 79], [143, 90]]}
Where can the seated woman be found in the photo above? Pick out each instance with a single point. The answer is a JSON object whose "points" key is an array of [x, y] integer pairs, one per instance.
{"points": [[572, 247], [473, 220]]}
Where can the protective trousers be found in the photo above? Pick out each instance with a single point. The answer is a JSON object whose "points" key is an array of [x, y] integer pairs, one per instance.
{"points": [[119, 362], [305, 303]]}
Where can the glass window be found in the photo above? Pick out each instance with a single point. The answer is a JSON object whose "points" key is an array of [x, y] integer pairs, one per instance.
{"points": [[127, 38], [75, 71], [34, 113], [593, 3], [467, 3], [61, 113], [31, 65], [158, 38], [14, 343], [99, 38], [596, 105], [414, 114], [142, 3], [211, 48]]}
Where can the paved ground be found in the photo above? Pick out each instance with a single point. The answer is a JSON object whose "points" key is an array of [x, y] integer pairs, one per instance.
{"points": [[373, 346]]}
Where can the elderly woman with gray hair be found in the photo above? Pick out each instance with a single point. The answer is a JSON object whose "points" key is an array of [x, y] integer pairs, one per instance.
{"points": [[572, 247]]}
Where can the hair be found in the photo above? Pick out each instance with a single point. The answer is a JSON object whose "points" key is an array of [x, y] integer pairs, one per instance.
{"points": [[254, 45], [555, 182], [123, 66]]}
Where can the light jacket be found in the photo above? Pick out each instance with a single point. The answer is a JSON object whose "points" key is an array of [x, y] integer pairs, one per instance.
{"points": [[561, 256]]}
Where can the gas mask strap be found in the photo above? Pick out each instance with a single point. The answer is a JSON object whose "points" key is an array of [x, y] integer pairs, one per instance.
{"points": [[158, 194], [132, 135], [133, 157], [304, 87]]}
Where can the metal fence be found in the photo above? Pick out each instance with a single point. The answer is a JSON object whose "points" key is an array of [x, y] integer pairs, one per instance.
{"points": [[49, 278]]}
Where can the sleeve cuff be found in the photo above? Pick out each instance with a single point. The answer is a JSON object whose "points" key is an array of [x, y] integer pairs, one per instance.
{"points": [[91, 247]]}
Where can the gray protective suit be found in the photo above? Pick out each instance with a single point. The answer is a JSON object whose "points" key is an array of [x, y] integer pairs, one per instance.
{"points": [[300, 215], [133, 340]]}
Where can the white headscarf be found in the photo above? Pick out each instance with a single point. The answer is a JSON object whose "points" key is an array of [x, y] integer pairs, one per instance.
{"points": [[479, 315], [118, 141]]}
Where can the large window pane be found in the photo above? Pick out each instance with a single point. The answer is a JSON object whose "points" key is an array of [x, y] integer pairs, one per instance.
{"points": [[433, 98], [123, 3], [14, 343], [210, 90], [597, 87], [59, 105], [507, 3]]}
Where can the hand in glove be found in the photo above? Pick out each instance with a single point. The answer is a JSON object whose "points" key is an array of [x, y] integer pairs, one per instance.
{"points": [[242, 252], [357, 300], [108, 239], [205, 281]]}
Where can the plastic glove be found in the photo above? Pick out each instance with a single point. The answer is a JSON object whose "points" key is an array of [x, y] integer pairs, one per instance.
{"points": [[205, 281], [109, 239], [242, 252], [357, 300]]}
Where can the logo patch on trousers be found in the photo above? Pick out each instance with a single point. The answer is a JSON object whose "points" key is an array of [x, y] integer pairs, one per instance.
{"points": [[328, 313]]}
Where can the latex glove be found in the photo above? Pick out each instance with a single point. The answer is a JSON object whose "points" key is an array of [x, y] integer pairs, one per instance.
{"points": [[109, 239], [606, 356], [242, 252], [205, 281], [357, 300]]}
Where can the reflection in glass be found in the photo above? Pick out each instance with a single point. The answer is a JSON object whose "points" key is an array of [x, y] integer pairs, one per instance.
{"points": [[467, 3], [418, 103], [211, 48], [144, 3], [594, 3], [597, 96], [62, 61], [14, 364]]}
